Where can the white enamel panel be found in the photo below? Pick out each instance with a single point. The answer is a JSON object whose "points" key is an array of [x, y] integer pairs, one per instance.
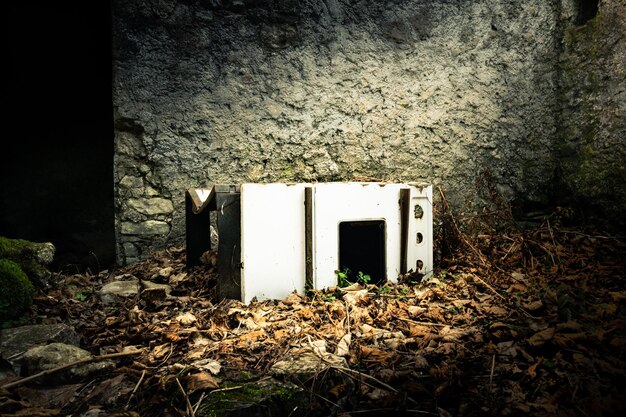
{"points": [[272, 241], [273, 232], [338, 202], [422, 251]]}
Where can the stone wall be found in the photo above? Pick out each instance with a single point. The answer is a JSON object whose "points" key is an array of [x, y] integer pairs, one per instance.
{"points": [[227, 91], [592, 148]]}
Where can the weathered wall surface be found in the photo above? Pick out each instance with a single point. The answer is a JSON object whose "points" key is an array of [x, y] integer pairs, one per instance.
{"points": [[210, 91], [592, 125]]}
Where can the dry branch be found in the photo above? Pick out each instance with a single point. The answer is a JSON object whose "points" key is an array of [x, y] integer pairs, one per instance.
{"points": [[66, 366]]}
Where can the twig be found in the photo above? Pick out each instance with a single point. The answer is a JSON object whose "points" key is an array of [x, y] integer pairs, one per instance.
{"points": [[226, 389], [189, 407], [15, 356], [195, 407], [380, 410], [422, 323], [67, 365], [479, 279], [166, 358], [517, 308], [143, 373], [493, 367], [378, 381], [572, 232], [509, 250]]}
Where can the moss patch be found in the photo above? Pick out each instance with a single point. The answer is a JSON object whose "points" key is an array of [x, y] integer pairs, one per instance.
{"points": [[16, 291], [267, 397], [32, 257]]}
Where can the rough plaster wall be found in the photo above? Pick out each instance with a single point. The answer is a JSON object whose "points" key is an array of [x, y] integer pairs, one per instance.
{"points": [[230, 91], [593, 122]]}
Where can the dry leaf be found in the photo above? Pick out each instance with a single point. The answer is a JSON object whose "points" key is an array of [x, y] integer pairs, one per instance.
{"points": [[248, 339], [354, 297], [569, 326], [421, 362], [201, 382], [461, 303], [605, 310], [160, 351], [533, 306], [343, 347], [281, 334], [209, 365], [532, 370], [568, 339], [177, 278], [373, 354], [416, 310], [186, 319], [496, 310], [618, 295], [540, 338]]}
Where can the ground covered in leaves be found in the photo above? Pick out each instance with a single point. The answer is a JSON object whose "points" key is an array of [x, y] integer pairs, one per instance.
{"points": [[530, 322]]}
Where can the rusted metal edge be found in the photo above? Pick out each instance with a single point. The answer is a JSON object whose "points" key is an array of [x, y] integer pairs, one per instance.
{"points": [[308, 237], [405, 195]]}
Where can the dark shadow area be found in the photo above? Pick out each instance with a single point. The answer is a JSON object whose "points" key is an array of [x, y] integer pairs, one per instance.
{"points": [[362, 249], [56, 178], [587, 10]]}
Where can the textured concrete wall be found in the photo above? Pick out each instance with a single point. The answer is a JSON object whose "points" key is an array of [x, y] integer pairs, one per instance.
{"points": [[592, 149], [210, 91]]}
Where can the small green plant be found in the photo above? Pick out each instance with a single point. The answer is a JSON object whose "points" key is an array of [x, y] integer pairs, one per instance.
{"points": [[83, 294], [362, 278], [329, 298], [403, 290], [385, 289], [343, 278]]}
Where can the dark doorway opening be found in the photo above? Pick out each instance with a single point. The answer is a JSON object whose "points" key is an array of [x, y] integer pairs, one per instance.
{"points": [[56, 173], [362, 249]]}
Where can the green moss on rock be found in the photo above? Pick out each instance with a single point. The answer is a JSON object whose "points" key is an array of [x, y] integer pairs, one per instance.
{"points": [[16, 291], [32, 257], [264, 398]]}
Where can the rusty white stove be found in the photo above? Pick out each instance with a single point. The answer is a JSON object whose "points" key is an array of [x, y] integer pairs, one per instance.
{"points": [[278, 238]]}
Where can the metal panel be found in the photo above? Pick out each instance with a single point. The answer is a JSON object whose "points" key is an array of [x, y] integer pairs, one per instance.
{"points": [[197, 224], [272, 240], [405, 196], [308, 236], [339, 202], [280, 238], [420, 246], [229, 246]]}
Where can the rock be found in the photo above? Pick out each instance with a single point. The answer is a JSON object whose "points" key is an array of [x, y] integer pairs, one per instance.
{"points": [[148, 228], [155, 292], [54, 355], [307, 361], [266, 397], [6, 369], [151, 206], [16, 291], [112, 292], [20, 339], [32, 257]]}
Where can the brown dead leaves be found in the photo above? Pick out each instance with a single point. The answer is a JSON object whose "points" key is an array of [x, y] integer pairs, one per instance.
{"points": [[539, 330]]}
